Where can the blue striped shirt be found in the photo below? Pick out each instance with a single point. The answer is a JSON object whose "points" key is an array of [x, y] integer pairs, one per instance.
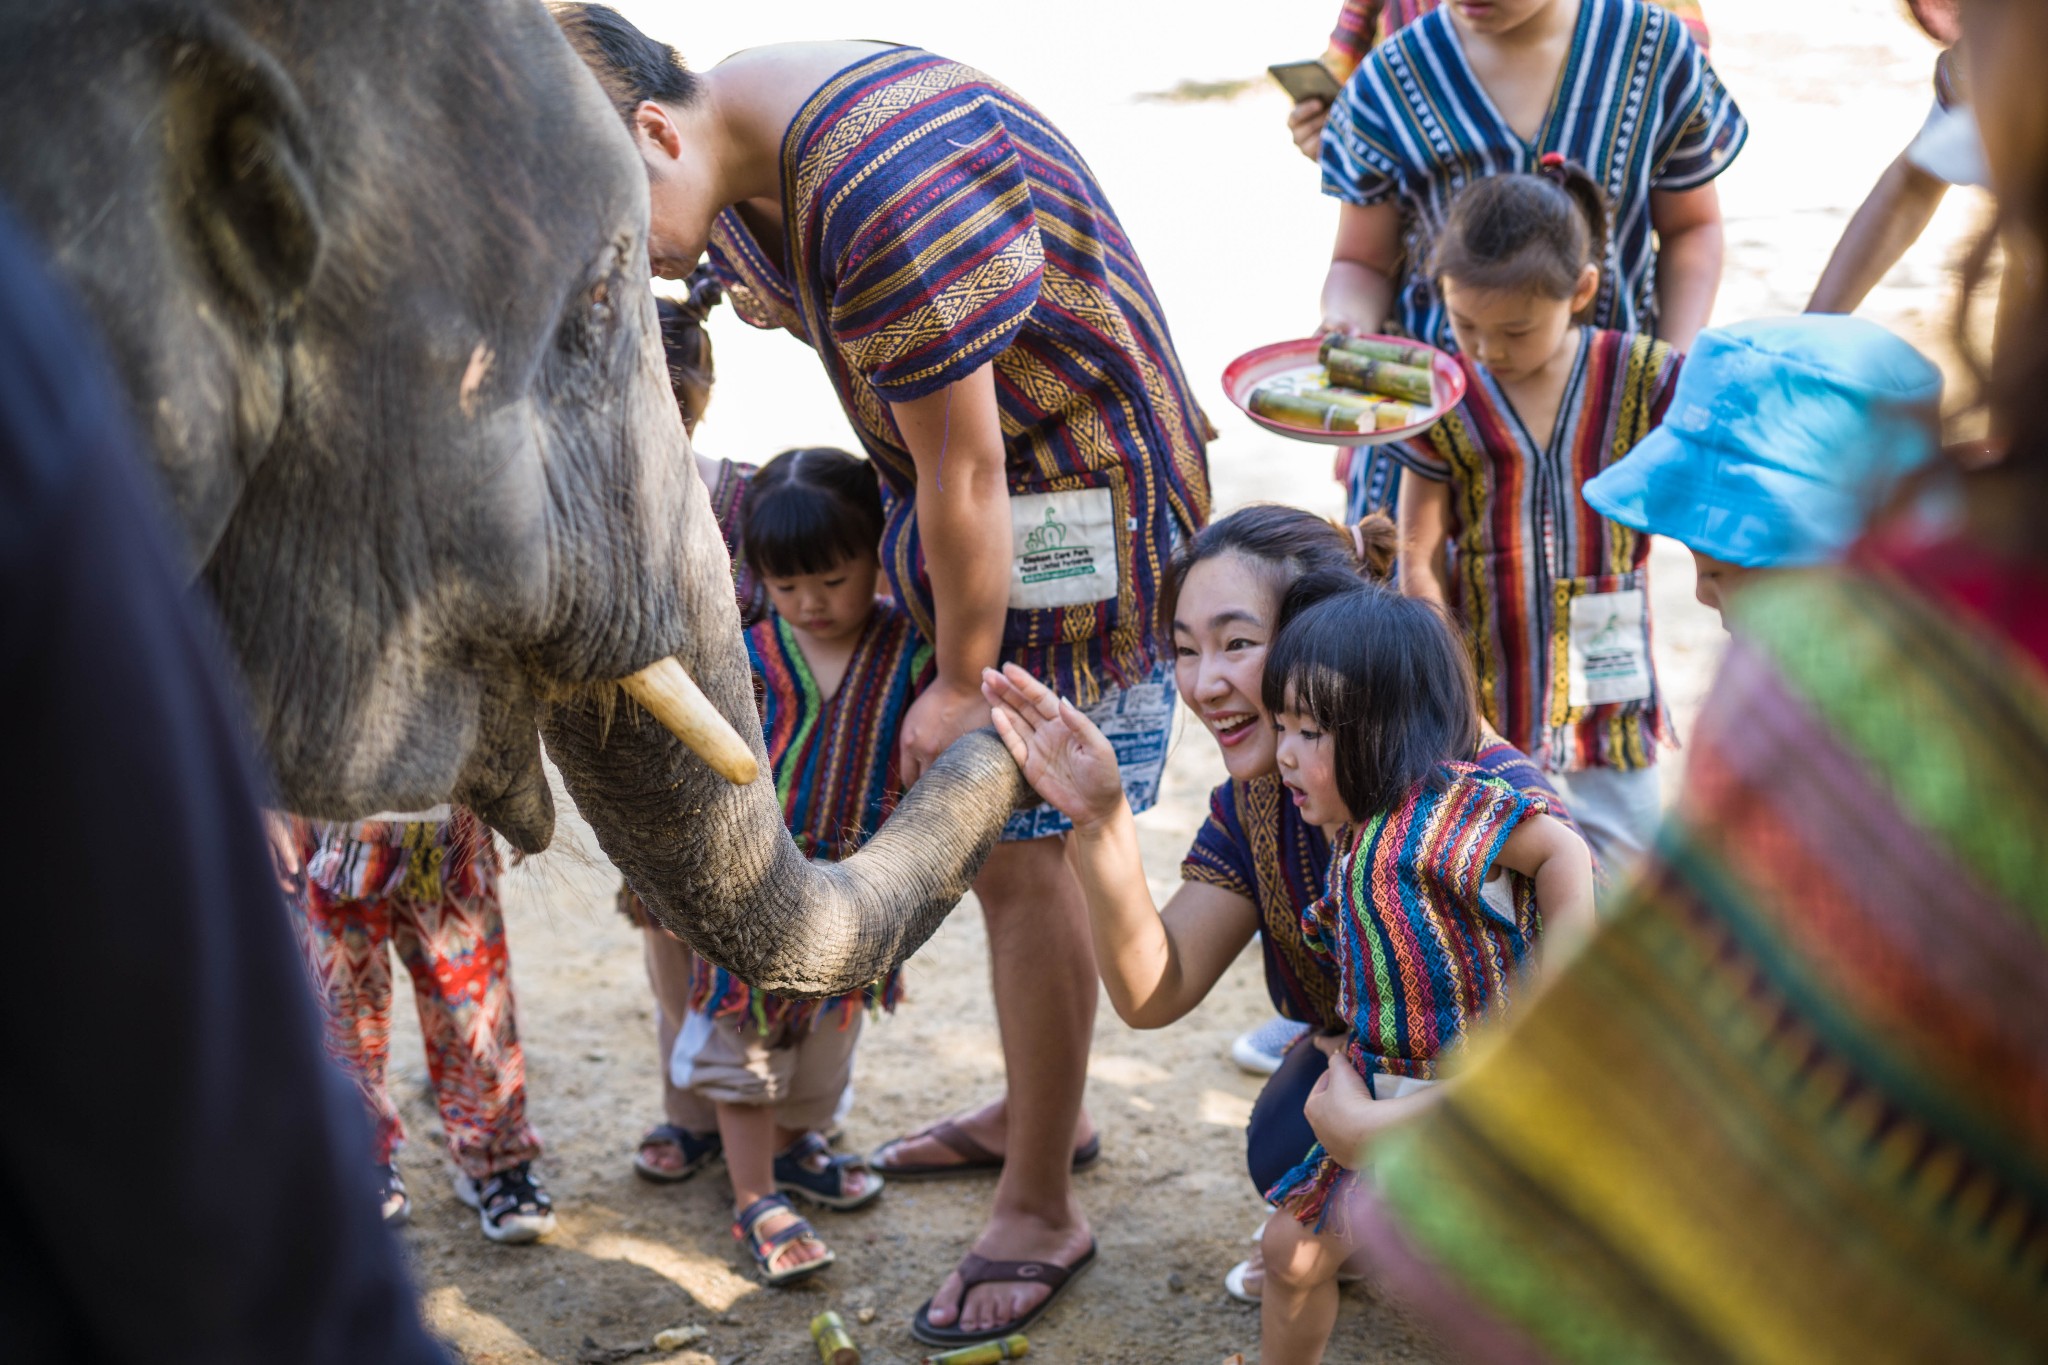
{"points": [[1638, 106]]}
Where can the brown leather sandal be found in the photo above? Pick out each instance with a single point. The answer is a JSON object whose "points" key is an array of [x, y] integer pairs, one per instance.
{"points": [[975, 1159], [976, 1270]]}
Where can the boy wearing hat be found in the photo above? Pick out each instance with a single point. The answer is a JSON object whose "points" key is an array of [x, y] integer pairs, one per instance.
{"points": [[1784, 435]]}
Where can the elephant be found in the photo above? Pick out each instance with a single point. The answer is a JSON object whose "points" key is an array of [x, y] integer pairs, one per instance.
{"points": [[375, 278]]}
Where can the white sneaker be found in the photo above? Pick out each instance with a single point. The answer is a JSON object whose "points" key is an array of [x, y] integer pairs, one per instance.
{"points": [[1260, 1050], [511, 1204]]}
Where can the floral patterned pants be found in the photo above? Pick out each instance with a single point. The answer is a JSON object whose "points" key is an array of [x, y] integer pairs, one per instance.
{"points": [[452, 941]]}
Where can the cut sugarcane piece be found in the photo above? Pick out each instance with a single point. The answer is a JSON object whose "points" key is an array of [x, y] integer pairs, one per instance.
{"points": [[1393, 352], [1350, 371], [1329, 409]]}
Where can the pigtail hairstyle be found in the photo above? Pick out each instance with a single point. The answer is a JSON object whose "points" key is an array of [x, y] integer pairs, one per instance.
{"points": [[1525, 232], [687, 345], [1285, 543], [1384, 676], [1375, 541]]}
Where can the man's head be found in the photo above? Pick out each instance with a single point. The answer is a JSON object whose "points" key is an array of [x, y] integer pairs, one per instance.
{"points": [[656, 96], [1784, 437]]}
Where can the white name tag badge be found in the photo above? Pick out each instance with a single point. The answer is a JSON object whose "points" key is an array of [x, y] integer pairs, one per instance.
{"points": [[1609, 648], [1063, 549]]}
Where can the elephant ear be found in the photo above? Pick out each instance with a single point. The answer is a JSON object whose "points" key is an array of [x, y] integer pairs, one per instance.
{"points": [[240, 154]]}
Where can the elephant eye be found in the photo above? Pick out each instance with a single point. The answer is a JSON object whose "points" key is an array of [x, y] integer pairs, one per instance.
{"points": [[590, 318]]}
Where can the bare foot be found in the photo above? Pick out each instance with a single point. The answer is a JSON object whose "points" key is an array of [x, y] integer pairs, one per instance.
{"points": [[988, 1125], [1010, 1237]]}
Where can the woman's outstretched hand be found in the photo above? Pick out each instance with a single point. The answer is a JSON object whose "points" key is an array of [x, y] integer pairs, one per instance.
{"points": [[1064, 757]]}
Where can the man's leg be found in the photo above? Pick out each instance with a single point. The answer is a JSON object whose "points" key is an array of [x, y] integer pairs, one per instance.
{"points": [[1043, 962]]}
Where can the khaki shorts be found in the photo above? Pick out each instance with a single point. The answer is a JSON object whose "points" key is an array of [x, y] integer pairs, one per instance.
{"points": [[727, 1061]]}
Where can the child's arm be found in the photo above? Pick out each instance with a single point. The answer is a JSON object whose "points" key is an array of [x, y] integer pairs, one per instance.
{"points": [[1689, 250], [1358, 293], [1898, 210], [1157, 966], [1425, 521], [1546, 851]]}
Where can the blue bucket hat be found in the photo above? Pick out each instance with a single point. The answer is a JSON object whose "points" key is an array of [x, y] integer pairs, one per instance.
{"points": [[1783, 436]]}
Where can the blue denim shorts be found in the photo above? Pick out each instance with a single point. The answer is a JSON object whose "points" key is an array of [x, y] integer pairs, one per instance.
{"points": [[1138, 722]]}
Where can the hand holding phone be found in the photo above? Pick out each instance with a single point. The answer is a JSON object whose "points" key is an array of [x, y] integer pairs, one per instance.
{"points": [[1309, 80]]}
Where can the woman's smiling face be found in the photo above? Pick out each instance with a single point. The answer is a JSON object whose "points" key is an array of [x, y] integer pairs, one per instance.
{"points": [[1221, 627]]}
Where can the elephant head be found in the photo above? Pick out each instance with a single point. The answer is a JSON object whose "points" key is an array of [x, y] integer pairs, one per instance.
{"points": [[375, 276]]}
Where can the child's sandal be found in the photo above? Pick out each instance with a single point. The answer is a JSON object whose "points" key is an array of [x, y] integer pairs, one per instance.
{"points": [[696, 1150], [769, 1248], [799, 1171]]}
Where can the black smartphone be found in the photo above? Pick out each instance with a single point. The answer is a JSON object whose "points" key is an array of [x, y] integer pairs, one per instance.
{"points": [[1309, 80]]}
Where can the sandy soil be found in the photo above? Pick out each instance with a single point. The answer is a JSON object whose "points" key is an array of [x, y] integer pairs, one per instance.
{"points": [[1235, 235]]}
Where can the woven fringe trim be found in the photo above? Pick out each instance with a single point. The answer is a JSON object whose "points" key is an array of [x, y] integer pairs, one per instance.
{"points": [[1309, 1191], [720, 994]]}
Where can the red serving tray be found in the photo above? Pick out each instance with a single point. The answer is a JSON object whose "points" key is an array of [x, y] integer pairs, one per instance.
{"points": [[1255, 367]]}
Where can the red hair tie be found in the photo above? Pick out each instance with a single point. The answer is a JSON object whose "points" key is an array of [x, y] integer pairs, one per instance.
{"points": [[1552, 161]]}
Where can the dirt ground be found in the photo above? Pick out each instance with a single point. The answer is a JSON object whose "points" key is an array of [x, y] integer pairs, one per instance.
{"points": [[1235, 236]]}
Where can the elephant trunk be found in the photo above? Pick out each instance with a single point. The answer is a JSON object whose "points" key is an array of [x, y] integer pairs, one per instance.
{"points": [[713, 860]]}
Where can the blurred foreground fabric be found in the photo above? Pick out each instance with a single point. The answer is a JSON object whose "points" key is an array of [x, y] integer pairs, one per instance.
{"points": [[1792, 1104]]}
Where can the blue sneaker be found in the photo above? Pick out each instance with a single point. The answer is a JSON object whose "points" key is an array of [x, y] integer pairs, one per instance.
{"points": [[1260, 1050]]}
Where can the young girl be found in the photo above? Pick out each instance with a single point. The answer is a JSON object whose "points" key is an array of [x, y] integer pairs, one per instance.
{"points": [[1472, 91], [1555, 597], [839, 667], [1442, 880]]}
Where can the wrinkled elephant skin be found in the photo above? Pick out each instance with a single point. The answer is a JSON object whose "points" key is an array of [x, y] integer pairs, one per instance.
{"points": [[374, 275]]}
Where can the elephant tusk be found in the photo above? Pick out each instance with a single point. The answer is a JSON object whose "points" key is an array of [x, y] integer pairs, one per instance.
{"points": [[672, 697]]}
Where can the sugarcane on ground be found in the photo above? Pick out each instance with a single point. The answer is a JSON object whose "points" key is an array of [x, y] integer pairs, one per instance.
{"points": [[1236, 238]]}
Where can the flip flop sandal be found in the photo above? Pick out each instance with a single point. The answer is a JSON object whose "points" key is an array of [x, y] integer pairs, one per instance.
{"points": [[698, 1149], [975, 1159], [976, 1270], [767, 1248], [824, 1185]]}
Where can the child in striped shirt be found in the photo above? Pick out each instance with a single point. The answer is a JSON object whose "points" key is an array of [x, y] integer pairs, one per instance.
{"points": [[837, 667], [1442, 881], [1554, 597]]}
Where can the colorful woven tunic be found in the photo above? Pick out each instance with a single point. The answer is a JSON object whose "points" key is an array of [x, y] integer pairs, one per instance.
{"points": [[936, 223], [1637, 105], [1791, 1105], [1422, 946], [835, 766], [1256, 845], [1555, 596], [1361, 23]]}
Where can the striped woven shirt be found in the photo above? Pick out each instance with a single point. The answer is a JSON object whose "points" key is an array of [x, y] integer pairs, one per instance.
{"points": [[1791, 1104], [1637, 105], [1423, 948], [1361, 23], [836, 774], [1256, 845], [938, 223], [1526, 544]]}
